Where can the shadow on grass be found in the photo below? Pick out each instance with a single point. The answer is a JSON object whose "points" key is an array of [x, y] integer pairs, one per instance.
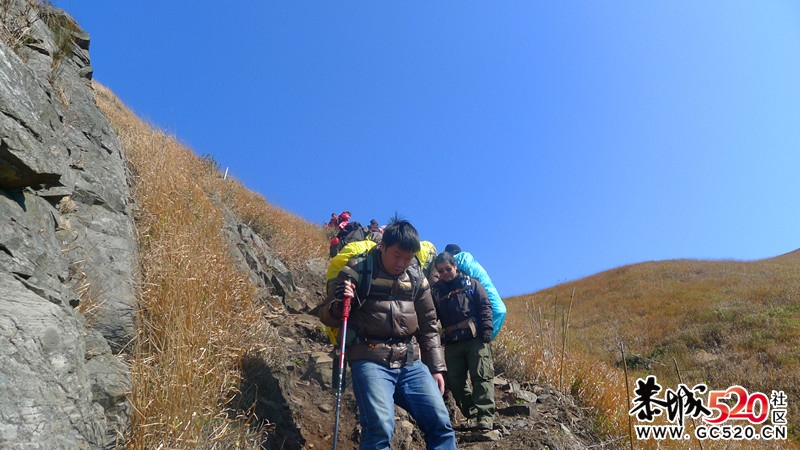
{"points": [[262, 395]]}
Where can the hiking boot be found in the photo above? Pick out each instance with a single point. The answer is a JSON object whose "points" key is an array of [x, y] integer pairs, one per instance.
{"points": [[485, 425], [468, 424]]}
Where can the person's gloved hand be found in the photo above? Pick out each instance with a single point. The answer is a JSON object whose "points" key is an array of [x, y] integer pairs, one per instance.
{"points": [[344, 289], [486, 337], [340, 292]]}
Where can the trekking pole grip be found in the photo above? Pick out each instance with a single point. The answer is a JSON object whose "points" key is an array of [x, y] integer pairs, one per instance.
{"points": [[346, 309]]}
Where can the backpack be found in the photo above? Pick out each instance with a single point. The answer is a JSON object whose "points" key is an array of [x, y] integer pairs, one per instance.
{"points": [[425, 257], [467, 264], [347, 252], [351, 232]]}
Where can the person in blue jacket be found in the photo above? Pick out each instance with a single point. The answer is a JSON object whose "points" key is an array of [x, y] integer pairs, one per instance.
{"points": [[465, 314]]}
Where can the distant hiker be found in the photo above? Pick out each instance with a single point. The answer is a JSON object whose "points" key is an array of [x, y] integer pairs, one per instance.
{"points": [[350, 232], [393, 344], [468, 265], [343, 219], [465, 312], [374, 226], [374, 231], [334, 222]]}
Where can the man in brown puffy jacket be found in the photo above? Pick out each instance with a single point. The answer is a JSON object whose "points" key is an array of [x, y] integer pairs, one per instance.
{"points": [[392, 343]]}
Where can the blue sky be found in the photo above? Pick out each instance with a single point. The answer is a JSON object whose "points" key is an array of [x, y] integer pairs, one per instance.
{"points": [[552, 140]]}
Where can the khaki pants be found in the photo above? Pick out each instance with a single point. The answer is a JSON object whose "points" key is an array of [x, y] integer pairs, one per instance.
{"points": [[471, 358]]}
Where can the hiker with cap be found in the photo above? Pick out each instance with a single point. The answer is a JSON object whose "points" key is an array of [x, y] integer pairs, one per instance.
{"points": [[465, 313], [392, 343], [374, 232], [453, 249]]}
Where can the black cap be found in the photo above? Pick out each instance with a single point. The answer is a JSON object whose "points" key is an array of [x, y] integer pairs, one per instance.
{"points": [[453, 249]]}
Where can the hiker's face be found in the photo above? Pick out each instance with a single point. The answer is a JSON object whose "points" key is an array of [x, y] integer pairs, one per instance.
{"points": [[396, 260], [446, 271]]}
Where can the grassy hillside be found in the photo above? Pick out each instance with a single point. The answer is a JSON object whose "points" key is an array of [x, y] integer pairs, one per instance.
{"points": [[198, 317], [725, 323]]}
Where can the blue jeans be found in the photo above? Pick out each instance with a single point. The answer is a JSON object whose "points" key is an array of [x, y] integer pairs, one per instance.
{"points": [[377, 388]]}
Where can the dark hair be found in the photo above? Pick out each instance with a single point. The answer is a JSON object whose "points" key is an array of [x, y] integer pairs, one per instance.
{"points": [[444, 257], [452, 249], [401, 232]]}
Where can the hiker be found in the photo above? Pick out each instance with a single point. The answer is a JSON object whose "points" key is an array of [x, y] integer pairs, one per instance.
{"points": [[350, 232], [343, 219], [453, 249], [393, 343], [468, 265], [334, 222], [374, 232], [465, 312]]}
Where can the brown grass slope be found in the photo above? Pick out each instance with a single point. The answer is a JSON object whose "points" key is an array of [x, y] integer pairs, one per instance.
{"points": [[725, 323], [198, 318]]}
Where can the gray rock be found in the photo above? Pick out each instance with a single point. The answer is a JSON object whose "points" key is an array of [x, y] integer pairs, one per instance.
{"points": [[45, 393], [267, 272], [527, 409], [320, 367], [66, 238]]}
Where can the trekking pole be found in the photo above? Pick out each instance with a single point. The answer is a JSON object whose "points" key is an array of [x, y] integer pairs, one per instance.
{"points": [[345, 316]]}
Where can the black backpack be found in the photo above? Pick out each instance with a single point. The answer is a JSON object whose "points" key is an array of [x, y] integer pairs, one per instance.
{"points": [[350, 233]]}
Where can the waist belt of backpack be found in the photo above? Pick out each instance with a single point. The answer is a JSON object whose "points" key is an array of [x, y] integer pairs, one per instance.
{"points": [[383, 340], [391, 341], [468, 323]]}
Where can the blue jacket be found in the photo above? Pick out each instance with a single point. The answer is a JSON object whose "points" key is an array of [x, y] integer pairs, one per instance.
{"points": [[468, 265]]}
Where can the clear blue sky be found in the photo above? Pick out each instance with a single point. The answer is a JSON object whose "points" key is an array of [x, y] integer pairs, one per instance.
{"points": [[551, 139]]}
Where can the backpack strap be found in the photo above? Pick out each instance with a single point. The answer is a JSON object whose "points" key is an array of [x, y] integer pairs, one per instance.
{"points": [[417, 279], [363, 275], [364, 266], [466, 287]]}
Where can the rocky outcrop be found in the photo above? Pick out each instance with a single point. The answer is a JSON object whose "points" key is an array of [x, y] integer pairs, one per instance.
{"points": [[67, 242]]}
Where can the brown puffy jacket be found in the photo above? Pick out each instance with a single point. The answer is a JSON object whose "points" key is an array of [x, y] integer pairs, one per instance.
{"points": [[388, 320]]}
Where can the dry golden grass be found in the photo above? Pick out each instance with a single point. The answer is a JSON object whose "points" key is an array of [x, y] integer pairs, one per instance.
{"points": [[197, 318], [724, 322], [295, 240]]}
